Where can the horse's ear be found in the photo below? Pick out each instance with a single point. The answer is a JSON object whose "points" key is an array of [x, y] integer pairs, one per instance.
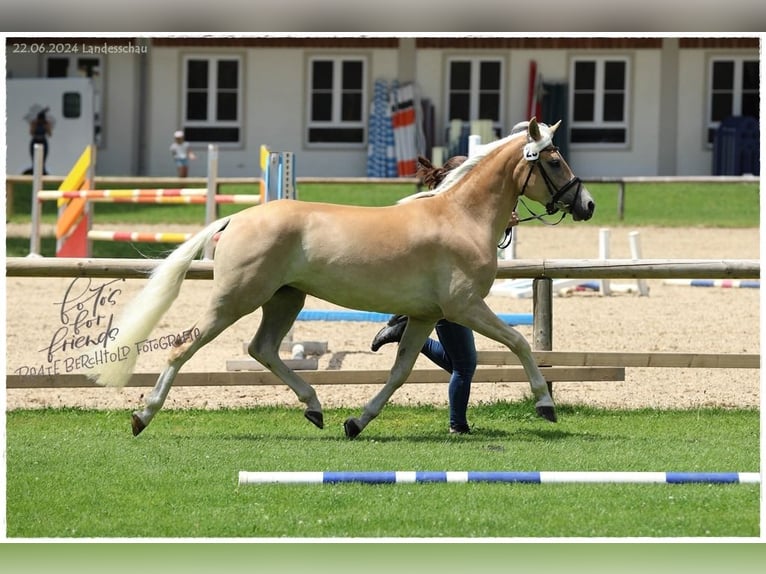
{"points": [[554, 127], [534, 130]]}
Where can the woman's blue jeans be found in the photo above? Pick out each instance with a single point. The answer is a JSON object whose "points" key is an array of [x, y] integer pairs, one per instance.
{"points": [[455, 352]]}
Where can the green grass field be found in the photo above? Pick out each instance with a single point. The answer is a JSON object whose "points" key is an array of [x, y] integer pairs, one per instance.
{"points": [[80, 474], [663, 205], [75, 473]]}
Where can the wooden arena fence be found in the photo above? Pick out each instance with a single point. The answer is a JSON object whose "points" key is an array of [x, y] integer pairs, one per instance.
{"points": [[556, 365]]}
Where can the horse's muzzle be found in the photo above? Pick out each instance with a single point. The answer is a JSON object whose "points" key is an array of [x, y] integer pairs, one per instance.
{"points": [[583, 206]]}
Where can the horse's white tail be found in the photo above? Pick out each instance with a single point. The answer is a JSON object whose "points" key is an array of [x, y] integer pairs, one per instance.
{"points": [[144, 312]]}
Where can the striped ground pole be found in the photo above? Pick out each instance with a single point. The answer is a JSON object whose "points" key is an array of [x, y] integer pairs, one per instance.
{"points": [[722, 283], [532, 477], [372, 317]]}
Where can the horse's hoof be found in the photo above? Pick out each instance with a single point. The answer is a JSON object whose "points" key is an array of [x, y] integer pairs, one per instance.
{"points": [[548, 413], [137, 424], [315, 417], [352, 428]]}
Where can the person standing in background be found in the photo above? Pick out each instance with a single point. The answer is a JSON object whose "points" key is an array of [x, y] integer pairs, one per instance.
{"points": [[40, 129], [181, 153]]}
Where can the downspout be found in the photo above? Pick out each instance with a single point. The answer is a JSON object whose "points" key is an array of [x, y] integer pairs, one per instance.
{"points": [[142, 99]]}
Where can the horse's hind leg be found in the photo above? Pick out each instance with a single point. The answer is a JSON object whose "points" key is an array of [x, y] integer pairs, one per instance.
{"points": [[210, 328], [279, 314]]}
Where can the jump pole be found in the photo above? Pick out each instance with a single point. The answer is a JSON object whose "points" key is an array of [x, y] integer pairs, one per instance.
{"points": [[211, 207], [164, 196], [37, 184], [636, 255], [531, 477]]}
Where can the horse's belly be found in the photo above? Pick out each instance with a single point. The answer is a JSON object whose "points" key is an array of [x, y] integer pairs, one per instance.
{"points": [[386, 292]]}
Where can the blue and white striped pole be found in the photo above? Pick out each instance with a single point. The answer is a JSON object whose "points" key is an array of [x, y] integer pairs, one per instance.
{"points": [[534, 477], [373, 317]]}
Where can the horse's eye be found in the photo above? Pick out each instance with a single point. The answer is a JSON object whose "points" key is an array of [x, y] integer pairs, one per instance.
{"points": [[554, 162]]}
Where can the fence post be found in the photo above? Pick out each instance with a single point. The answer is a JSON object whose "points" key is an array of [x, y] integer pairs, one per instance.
{"points": [[542, 316], [621, 200]]}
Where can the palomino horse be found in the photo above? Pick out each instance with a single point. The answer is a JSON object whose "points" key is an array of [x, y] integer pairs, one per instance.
{"points": [[428, 259]]}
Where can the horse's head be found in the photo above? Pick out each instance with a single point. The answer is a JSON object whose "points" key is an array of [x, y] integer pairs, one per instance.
{"points": [[549, 180]]}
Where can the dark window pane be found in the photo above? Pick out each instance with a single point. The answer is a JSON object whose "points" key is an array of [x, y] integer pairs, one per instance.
{"points": [[321, 107], [722, 106], [614, 105], [489, 76], [723, 75], [57, 67], [213, 134], [711, 135], [750, 80], [583, 107], [585, 75], [336, 135], [71, 105], [750, 105], [614, 75], [226, 106], [489, 107], [196, 77], [322, 77], [196, 106], [228, 74], [88, 66], [352, 75], [459, 107], [596, 135], [460, 76], [351, 110]]}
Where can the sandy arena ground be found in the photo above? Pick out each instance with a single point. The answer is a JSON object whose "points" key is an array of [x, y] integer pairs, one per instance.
{"points": [[671, 319]]}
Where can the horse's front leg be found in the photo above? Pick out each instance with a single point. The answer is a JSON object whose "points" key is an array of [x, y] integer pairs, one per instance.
{"points": [[414, 337], [480, 318]]}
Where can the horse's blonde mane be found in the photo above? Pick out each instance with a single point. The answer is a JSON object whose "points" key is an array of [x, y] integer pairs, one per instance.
{"points": [[457, 174]]}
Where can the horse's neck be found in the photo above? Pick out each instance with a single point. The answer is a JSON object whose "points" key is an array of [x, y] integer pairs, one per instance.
{"points": [[489, 192]]}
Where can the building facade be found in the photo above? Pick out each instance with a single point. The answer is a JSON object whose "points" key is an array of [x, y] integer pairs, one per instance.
{"points": [[630, 106]]}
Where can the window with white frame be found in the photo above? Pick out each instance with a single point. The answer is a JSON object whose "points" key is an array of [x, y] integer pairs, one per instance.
{"points": [[599, 101], [474, 90], [212, 104], [733, 91], [80, 66], [337, 100]]}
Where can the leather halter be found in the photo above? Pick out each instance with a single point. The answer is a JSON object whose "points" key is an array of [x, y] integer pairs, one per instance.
{"points": [[554, 205], [557, 194]]}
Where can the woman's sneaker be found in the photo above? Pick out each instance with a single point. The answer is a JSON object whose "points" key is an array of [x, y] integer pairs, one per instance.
{"points": [[391, 333], [460, 429]]}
